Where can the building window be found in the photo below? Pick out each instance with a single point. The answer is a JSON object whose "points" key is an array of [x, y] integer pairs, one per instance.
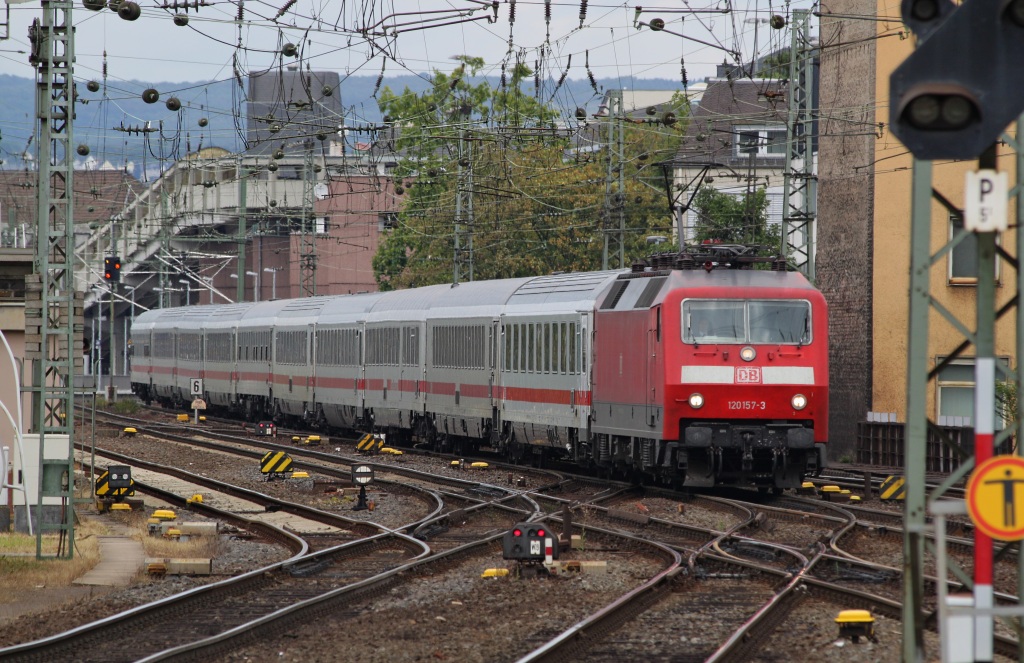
{"points": [[763, 142], [387, 221], [963, 258], [955, 392]]}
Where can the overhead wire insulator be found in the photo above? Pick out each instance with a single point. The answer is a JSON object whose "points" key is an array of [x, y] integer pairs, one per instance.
{"points": [[547, 17], [284, 10], [380, 78], [129, 10], [590, 74], [511, 12], [562, 78], [536, 78], [583, 12]]}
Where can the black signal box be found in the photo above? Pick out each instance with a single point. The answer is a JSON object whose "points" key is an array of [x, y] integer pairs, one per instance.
{"points": [[530, 542]]}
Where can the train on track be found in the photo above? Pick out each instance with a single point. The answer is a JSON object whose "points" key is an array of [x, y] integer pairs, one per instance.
{"points": [[691, 369]]}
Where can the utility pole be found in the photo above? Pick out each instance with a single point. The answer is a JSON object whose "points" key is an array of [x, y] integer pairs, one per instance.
{"points": [[243, 213], [613, 255], [463, 259], [165, 233], [51, 342], [800, 184]]}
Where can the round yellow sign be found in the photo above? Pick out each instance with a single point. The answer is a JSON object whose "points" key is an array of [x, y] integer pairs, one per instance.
{"points": [[995, 497]]}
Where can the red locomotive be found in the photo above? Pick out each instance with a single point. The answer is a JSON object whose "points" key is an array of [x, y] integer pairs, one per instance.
{"points": [[720, 377]]}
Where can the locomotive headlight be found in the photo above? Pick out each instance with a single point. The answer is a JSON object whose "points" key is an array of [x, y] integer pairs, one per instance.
{"points": [[696, 401], [799, 402], [748, 353]]}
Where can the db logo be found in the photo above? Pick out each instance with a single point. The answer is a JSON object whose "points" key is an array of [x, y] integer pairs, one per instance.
{"points": [[748, 375]]}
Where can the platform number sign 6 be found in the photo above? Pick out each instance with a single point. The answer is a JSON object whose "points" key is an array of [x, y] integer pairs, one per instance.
{"points": [[196, 386]]}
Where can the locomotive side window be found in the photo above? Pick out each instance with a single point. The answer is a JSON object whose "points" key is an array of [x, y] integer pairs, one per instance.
{"points": [[779, 322]]}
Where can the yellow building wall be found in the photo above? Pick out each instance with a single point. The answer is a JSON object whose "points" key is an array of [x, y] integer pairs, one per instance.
{"points": [[891, 267]]}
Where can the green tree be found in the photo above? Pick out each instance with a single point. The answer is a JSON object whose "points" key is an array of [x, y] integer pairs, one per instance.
{"points": [[734, 219], [537, 205]]}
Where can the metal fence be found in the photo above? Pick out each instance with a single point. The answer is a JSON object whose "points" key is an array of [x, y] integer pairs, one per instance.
{"points": [[881, 443]]}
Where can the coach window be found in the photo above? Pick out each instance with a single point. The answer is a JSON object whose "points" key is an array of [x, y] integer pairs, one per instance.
{"points": [[547, 347], [520, 348], [572, 348], [538, 347]]}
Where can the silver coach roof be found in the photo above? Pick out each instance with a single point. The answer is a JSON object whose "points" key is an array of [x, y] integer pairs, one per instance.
{"points": [[182, 317], [560, 292], [470, 299]]}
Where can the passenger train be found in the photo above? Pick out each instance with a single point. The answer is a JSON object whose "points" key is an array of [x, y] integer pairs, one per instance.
{"points": [[692, 369]]}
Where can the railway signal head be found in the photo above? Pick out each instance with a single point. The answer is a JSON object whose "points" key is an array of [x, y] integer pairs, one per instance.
{"points": [[958, 91], [530, 542], [112, 269]]}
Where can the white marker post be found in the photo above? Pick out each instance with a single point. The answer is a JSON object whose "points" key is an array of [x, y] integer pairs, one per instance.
{"points": [[985, 196]]}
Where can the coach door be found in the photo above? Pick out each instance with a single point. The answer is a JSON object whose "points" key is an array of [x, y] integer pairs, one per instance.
{"points": [[651, 378]]}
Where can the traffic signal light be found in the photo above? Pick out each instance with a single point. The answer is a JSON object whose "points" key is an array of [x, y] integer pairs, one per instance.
{"points": [[960, 89], [112, 269]]}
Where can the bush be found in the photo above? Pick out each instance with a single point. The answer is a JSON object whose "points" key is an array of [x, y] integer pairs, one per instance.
{"points": [[125, 406]]}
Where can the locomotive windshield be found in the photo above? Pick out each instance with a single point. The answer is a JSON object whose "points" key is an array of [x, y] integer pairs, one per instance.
{"points": [[774, 321]]}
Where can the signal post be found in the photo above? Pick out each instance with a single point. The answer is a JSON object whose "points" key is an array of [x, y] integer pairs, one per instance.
{"points": [[954, 98]]}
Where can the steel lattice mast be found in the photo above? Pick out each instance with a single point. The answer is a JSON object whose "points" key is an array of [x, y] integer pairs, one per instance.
{"points": [[614, 254], [53, 358], [800, 184]]}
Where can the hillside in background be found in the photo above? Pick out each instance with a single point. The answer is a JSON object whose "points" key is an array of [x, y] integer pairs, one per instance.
{"points": [[115, 129]]}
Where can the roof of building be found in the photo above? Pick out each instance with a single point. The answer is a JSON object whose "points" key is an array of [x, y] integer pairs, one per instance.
{"points": [[726, 105]]}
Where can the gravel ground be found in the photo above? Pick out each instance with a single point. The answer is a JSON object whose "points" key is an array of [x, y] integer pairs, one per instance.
{"points": [[55, 611], [457, 616]]}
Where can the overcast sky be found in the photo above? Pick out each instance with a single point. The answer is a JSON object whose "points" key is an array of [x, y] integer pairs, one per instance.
{"points": [[329, 34]]}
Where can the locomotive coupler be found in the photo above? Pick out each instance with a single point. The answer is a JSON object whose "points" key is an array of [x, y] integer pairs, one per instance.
{"points": [[748, 454]]}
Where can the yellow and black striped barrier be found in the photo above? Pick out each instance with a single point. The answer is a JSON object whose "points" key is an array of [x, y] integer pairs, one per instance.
{"points": [[893, 488], [103, 488], [369, 443], [276, 462]]}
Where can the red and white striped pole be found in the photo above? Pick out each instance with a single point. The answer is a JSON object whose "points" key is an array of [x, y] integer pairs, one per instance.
{"points": [[984, 430]]}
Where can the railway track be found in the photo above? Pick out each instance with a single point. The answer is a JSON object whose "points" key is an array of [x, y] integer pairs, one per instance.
{"points": [[747, 575]]}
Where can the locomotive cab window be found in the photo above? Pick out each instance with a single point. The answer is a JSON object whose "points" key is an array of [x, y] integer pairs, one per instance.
{"points": [[775, 322]]}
